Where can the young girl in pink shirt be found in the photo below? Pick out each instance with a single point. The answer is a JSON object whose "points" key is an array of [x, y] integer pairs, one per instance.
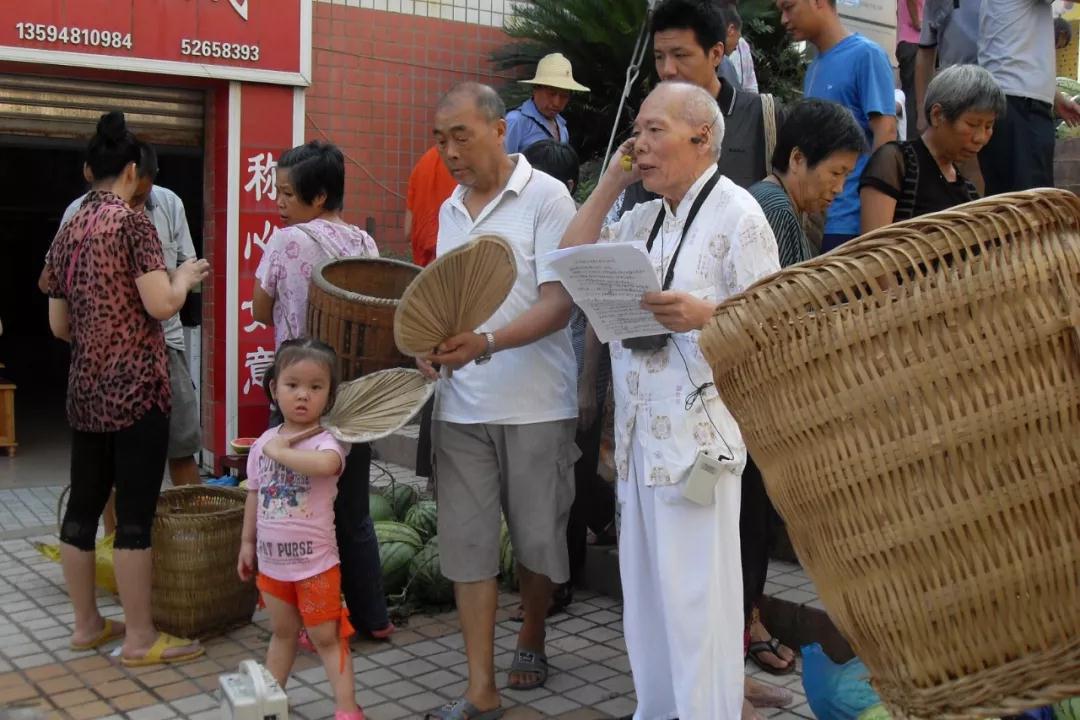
{"points": [[293, 471]]}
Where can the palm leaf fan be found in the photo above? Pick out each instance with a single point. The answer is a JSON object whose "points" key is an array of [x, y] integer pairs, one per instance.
{"points": [[454, 294], [374, 406]]}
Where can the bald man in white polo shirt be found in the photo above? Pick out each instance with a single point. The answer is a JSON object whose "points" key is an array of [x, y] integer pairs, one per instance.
{"points": [[504, 422]]}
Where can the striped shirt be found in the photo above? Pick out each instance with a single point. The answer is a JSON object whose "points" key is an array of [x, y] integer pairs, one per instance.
{"points": [[780, 212]]}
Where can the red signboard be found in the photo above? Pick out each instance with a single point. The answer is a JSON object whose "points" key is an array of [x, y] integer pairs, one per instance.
{"points": [[255, 40]]}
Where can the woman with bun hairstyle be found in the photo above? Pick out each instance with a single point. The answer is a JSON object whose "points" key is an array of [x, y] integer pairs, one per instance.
{"points": [[108, 293]]}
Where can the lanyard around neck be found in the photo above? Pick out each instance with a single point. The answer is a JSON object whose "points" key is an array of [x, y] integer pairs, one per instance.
{"points": [[698, 202]]}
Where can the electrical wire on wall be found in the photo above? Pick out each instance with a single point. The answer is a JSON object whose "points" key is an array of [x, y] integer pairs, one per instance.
{"points": [[353, 160]]}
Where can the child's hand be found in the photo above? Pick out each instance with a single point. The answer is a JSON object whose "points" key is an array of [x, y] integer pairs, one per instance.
{"points": [[275, 445], [281, 442], [245, 564]]}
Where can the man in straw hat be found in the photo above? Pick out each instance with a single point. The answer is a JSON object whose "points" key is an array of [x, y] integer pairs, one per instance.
{"points": [[538, 118], [504, 421], [678, 451]]}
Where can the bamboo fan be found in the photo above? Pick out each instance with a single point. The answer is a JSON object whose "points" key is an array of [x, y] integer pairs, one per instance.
{"points": [[374, 406], [454, 294]]}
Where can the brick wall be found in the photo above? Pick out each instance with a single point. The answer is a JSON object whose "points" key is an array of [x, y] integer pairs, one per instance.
{"points": [[377, 76]]}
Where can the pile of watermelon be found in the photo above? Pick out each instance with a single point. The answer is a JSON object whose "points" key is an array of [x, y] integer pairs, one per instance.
{"points": [[431, 585], [507, 566], [398, 545], [407, 529]]}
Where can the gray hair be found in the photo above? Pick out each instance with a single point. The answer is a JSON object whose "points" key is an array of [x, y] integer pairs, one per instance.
{"points": [[962, 88], [485, 98], [697, 107]]}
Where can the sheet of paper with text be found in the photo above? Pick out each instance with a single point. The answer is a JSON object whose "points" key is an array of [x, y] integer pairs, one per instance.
{"points": [[607, 282]]}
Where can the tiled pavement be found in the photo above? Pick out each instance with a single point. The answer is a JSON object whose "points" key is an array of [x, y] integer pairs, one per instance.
{"points": [[26, 509], [419, 668]]}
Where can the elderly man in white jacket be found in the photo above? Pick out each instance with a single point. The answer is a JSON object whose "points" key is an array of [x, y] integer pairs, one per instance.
{"points": [[679, 454]]}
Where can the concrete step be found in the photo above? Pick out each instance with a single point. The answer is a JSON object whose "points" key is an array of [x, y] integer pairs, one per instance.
{"points": [[399, 448]]}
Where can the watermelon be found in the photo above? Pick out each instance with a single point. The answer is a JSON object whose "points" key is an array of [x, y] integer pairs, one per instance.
{"points": [[389, 531], [431, 585], [507, 565], [1067, 709], [241, 445], [394, 558], [401, 497], [380, 507], [423, 517]]}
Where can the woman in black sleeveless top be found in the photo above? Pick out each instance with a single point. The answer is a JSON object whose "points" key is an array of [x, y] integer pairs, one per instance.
{"points": [[907, 179]]}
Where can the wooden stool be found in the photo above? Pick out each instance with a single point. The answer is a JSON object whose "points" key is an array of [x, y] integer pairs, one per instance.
{"points": [[229, 463], [7, 417]]}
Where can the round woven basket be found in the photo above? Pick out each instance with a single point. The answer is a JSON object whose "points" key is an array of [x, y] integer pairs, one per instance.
{"points": [[351, 307], [913, 402], [196, 540]]}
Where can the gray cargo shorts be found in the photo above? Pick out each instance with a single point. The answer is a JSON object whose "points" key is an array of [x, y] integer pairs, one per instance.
{"points": [[185, 427], [527, 471]]}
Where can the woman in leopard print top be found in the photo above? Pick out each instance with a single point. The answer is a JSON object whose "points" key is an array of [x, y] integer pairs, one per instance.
{"points": [[108, 292]]}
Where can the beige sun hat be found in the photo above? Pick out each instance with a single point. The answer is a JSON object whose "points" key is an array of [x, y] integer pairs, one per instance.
{"points": [[554, 70]]}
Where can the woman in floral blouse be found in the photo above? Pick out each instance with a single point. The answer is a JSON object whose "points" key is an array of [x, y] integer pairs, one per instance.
{"points": [[311, 189]]}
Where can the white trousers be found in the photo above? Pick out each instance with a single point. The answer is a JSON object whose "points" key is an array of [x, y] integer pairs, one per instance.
{"points": [[682, 599]]}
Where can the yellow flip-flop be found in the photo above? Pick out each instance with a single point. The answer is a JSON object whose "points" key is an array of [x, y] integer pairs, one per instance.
{"points": [[111, 631], [156, 655]]}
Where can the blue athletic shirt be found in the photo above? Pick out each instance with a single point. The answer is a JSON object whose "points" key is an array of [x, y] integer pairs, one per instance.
{"points": [[855, 73]]}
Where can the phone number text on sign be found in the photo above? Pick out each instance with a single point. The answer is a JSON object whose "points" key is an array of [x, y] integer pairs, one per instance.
{"points": [[92, 37], [215, 49]]}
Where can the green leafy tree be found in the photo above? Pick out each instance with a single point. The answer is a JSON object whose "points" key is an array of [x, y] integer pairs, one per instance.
{"points": [[778, 63], [598, 38]]}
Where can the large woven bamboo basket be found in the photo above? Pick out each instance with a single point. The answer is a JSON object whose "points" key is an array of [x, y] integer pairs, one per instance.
{"points": [[913, 402], [351, 307], [196, 540]]}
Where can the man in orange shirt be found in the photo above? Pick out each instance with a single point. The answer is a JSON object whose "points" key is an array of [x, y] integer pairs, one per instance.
{"points": [[430, 183]]}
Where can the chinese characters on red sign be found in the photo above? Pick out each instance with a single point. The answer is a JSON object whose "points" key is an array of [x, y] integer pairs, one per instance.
{"points": [[256, 340]]}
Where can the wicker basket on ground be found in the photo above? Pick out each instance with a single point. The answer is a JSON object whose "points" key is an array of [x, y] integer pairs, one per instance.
{"points": [[196, 540], [913, 402], [351, 307]]}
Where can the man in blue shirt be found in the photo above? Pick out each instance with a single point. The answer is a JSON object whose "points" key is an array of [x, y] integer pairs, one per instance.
{"points": [[539, 118], [855, 72]]}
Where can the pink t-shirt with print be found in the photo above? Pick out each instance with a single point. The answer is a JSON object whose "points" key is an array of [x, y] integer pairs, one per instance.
{"points": [[291, 254], [294, 524]]}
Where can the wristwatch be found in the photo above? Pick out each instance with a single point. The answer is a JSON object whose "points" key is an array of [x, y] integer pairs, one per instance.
{"points": [[488, 351]]}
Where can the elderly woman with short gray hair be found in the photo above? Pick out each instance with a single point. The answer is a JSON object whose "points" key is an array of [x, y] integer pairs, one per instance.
{"points": [[906, 179]]}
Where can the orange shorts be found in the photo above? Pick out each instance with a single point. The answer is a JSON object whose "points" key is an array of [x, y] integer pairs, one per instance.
{"points": [[318, 598]]}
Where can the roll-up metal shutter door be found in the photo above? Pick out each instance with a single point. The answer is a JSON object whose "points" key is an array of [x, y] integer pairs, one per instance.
{"points": [[61, 108]]}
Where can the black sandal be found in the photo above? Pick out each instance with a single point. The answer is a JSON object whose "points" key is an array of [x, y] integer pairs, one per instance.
{"points": [[772, 645]]}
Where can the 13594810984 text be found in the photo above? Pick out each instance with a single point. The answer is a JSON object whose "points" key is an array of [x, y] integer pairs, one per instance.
{"points": [[222, 50], [91, 37]]}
